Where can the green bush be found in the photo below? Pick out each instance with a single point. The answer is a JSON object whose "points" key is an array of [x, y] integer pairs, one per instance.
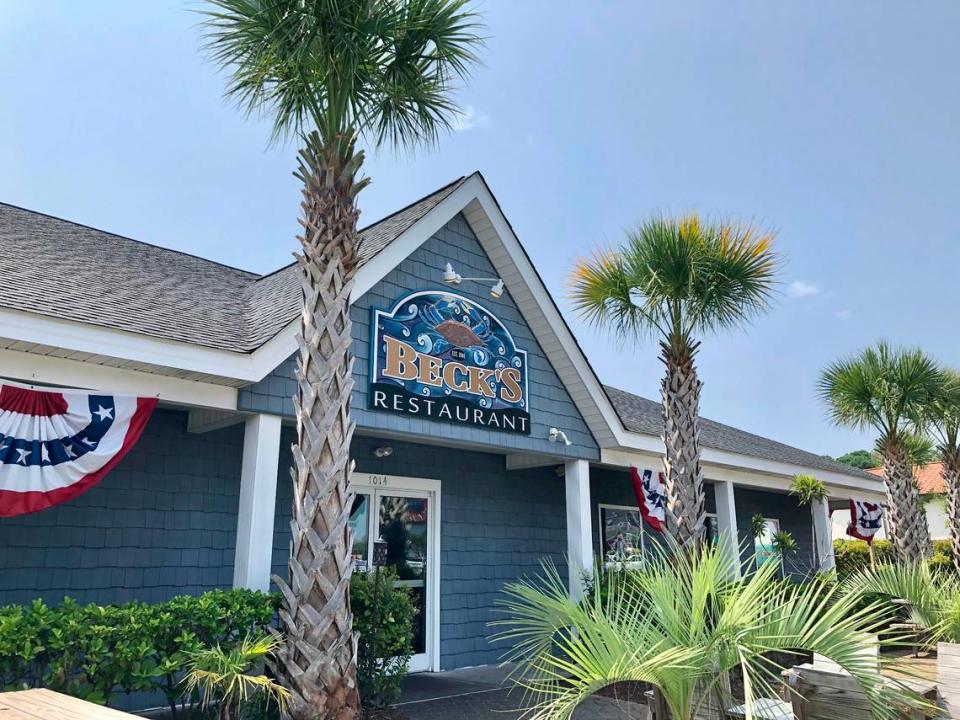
{"points": [[93, 651], [854, 555], [384, 652]]}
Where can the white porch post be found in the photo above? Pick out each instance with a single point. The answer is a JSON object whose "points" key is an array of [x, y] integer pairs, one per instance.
{"points": [[823, 535], [727, 520], [579, 525], [258, 499]]}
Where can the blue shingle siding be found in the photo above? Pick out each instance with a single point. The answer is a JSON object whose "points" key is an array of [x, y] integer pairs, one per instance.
{"points": [[496, 526], [162, 523], [550, 404], [798, 521]]}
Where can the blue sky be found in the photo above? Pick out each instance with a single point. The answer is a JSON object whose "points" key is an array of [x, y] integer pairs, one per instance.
{"points": [[835, 123]]}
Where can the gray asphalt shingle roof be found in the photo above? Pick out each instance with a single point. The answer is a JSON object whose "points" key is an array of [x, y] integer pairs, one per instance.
{"points": [[62, 269], [59, 268], [638, 414]]}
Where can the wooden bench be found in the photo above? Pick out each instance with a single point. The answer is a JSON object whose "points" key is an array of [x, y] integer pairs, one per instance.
{"points": [[43, 704], [825, 694]]}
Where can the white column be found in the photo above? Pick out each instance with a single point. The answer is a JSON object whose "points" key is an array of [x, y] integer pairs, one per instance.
{"points": [[727, 520], [579, 525], [258, 499], [823, 535]]}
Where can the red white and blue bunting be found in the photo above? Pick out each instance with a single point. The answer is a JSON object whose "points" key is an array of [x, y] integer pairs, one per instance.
{"points": [[865, 520], [56, 444], [651, 492]]}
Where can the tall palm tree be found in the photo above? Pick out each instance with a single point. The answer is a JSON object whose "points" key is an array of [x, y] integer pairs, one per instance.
{"points": [[889, 390], [945, 422], [332, 73], [678, 279]]}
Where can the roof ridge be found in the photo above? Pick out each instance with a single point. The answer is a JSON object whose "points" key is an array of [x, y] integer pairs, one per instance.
{"points": [[130, 239]]}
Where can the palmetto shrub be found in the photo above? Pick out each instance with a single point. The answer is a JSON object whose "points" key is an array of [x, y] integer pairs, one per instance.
{"points": [[682, 623], [932, 595]]}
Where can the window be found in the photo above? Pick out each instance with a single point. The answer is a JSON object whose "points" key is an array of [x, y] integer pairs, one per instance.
{"points": [[764, 545], [621, 534]]}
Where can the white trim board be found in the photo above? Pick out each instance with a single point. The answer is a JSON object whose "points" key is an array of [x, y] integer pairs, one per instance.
{"points": [[753, 472], [47, 370]]}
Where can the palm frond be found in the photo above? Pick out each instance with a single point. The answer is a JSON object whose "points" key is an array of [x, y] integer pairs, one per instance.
{"points": [[883, 387], [933, 598], [677, 278], [944, 414], [386, 69], [229, 676]]}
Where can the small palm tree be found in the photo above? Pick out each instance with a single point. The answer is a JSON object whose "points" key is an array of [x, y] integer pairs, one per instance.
{"points": [[889, 390], [678, 280], [945, 422], [228, 679], [683, 625], [932, 596], [332, 74]]}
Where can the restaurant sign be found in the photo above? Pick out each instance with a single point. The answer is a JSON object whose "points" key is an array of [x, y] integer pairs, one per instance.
{"points": [[441, 356]]}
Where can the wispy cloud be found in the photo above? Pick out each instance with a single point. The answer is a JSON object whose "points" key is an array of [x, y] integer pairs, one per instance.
{"points": [[843, 314], [471, 118], [800, 289]]}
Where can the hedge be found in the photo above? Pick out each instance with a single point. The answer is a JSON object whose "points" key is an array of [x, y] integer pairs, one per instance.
{"points": [[852, 555], [382, 656], [93, 651]]}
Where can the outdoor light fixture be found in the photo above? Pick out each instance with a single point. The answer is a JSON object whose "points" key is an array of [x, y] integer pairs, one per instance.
{"points": [[452, 277], [382, 452], [558, 435]]}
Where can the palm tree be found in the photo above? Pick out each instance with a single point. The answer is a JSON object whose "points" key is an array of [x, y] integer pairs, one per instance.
{"points": [[332, 73], [680, 623], [678, 279], [890, 390], [945, 422]]}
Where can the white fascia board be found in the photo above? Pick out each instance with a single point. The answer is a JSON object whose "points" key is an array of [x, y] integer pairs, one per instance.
{"points": [[747, 470], [119, 344], [47, 370]]}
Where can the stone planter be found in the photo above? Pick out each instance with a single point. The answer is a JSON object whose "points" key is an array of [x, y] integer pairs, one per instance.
{"points": [[948, 677]]}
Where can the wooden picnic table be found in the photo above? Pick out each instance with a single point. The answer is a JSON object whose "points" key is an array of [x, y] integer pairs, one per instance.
{"points": [[49, 705]]}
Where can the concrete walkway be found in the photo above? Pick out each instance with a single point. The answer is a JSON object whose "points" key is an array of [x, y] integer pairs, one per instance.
{"points": [[483, 693]]}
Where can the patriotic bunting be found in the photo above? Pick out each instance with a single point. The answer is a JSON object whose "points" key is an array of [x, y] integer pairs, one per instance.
{"points": [[865, 520], [651, 493], [56, 444]]}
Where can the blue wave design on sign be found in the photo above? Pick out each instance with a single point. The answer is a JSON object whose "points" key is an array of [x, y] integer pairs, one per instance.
{"points": [[452, 328]]}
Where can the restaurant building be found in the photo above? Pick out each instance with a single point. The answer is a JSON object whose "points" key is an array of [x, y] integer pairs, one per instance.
{"points": [[485, 442]]}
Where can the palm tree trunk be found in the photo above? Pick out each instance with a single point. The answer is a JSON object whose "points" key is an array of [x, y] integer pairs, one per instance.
{"points": [[680, 392], [905, 519], [950, 473], [317, 658]]}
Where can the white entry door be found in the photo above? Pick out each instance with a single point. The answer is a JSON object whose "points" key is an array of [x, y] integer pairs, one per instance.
{"points": [[405, 513]]}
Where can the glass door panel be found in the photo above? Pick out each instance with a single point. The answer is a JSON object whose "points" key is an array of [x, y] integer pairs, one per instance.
{"points": [[360, 524], [403, 525]]}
